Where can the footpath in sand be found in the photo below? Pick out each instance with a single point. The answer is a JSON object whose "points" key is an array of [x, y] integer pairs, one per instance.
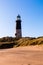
{"points": [[30, 55]]}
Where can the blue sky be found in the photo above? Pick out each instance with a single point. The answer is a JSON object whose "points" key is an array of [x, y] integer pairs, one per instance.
{"points": [[31, 12]]}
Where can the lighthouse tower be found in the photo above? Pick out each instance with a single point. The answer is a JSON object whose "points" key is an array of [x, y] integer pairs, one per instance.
{"points": [[18, 27]]}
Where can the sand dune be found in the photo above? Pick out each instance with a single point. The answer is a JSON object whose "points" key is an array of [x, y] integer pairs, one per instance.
{"points": [[30, 55]]}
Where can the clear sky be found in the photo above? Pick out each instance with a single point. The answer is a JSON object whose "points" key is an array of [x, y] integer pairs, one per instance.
{"points": [[31, 12]]}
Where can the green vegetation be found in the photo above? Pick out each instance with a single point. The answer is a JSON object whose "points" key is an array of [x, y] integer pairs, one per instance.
{"points": [[7, 42]]}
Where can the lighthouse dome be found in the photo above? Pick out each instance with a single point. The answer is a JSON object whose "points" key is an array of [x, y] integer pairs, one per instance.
{"points": [[18, 17]]}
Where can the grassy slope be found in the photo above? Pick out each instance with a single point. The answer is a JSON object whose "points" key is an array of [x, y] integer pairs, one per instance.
{"points": [[25, 41], [29, 41]]}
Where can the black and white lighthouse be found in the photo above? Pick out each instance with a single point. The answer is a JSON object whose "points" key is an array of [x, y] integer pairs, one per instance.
{"points": [[18, 27]]}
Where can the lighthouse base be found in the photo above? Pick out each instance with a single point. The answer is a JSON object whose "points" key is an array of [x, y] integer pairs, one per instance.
{"points": [[18, 33]]}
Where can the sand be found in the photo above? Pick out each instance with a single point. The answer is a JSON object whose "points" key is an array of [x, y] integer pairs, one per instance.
{"points": [[29, 55]]}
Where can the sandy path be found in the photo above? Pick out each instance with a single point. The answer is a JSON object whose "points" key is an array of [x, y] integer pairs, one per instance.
{"points": [[31, 55]]}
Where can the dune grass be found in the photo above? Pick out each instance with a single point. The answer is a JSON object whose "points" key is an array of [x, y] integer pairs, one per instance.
{"points": [[24, 41]]}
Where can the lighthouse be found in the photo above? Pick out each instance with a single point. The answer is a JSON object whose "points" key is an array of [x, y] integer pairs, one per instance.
{"points": [[18, 27]]}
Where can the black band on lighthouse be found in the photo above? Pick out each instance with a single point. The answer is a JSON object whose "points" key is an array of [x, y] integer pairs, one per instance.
{"points": [[18, 24]]}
